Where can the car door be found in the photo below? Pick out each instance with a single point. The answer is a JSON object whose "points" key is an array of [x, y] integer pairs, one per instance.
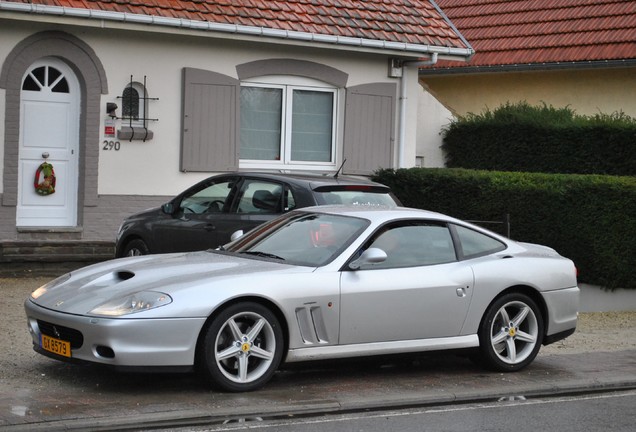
{"points": [[200, 219], [420, 290]]}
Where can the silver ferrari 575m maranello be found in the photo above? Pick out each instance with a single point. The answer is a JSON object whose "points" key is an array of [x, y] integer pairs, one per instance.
{"points": [[317, 283]]}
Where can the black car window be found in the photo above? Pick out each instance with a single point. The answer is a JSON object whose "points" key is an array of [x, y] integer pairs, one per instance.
{"points": [[259, 196], [211, 199], [475, 244], [413, 244]]}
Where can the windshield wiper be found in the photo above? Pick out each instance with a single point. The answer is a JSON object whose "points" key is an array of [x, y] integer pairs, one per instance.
{"points": [[263, 254]]}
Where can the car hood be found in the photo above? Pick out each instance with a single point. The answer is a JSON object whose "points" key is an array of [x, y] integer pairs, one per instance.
{"points": [[83, 290]]}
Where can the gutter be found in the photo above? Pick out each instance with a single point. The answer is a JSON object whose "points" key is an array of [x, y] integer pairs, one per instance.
{"points": [[402, 119], [152, 20], [529, 67]]}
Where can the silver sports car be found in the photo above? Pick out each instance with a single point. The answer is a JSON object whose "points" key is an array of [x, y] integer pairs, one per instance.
{"points": [[316, 283]]}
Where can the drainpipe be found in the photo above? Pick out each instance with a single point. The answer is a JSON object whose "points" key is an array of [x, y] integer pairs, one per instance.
{"points": [[402, 120]]}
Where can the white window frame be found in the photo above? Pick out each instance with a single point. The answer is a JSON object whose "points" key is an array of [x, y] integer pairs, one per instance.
{"points": [[288, 85]]}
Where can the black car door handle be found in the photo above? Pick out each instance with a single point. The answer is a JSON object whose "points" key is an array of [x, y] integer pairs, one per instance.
{"points": [[209, 227]]}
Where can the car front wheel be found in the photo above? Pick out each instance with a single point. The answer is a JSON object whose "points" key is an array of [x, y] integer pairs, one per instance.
{"points": [[511, 333], [242, 347], [135, 247]]}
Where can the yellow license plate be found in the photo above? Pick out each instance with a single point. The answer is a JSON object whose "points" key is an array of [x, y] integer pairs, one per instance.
{"points": [[56, 346]]}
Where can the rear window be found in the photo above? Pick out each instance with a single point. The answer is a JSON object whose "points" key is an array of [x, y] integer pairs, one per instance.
{"points": [[367, 197]]}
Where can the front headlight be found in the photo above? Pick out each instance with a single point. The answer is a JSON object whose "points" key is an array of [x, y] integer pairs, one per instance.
{"points": [[133, 303]]}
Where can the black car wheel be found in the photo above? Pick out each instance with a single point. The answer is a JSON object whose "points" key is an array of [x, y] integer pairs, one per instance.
{"points": [[241, 348], [511, 333], [135, 247]]}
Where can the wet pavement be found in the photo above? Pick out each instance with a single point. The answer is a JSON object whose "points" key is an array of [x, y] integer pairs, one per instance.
{"points": [[38, 394], [71, 397]]}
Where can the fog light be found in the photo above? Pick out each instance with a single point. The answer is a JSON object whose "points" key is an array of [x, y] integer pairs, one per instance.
{"points": [[104, 351]]}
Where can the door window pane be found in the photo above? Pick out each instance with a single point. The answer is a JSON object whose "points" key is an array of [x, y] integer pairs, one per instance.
{"points": [[210, 199], [261, 116], [413, 245], [260, 197]]}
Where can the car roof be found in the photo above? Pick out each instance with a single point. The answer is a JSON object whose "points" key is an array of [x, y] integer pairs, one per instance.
{"points": [[381, 214], [314, 180]]}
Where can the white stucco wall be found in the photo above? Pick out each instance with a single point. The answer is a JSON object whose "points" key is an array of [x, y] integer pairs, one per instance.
{"points": [[433, 117], [154, 164]]}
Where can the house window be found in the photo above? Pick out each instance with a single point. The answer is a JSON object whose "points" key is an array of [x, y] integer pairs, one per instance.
{"points": [[134, 113], [134, 104], [45, 78], [287, 125]]}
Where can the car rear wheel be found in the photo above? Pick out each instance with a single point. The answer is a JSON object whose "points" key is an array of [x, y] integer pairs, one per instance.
{"points": [[242, 347], [135, 247], [511, 333]]}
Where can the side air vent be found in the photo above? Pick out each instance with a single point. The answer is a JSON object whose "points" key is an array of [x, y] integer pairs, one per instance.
{"points": [[110, 279], [311, 325]]}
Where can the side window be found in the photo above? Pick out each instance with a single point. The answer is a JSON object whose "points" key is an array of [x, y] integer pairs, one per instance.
{"points": [[258, 196], [415, 244], [475, 244], [211, 199]]}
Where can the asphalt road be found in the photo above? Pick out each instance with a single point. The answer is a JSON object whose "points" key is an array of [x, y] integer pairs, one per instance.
{"points": [[581, 413]]}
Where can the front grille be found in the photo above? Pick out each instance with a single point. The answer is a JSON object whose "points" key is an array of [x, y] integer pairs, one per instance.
{"points": [[64, 333]]}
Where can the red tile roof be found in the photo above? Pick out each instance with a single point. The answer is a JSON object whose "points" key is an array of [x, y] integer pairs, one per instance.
{"points": [[536, 32], [406, 21]]}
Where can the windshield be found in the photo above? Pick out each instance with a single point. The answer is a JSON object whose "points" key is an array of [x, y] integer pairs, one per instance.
{"points": [[307, 239]]}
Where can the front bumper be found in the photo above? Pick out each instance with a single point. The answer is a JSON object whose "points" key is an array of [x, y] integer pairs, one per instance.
{"points": [[119, 342]]}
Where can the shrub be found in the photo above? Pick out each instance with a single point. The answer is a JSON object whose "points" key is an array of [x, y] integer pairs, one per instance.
{"points": [[520, 137]]}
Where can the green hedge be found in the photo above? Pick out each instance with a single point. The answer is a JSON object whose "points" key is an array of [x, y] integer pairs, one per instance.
{"points": [[590, 219], [524, 138]]}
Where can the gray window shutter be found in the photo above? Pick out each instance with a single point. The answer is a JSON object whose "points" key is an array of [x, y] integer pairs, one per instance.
{"points": [[209, 132], [369, 132]]}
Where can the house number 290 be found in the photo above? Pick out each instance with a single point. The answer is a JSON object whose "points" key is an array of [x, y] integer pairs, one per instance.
{"points": [[111, 145]]}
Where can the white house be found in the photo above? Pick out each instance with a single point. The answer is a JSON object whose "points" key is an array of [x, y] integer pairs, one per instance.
{"points": [[130, 102]]}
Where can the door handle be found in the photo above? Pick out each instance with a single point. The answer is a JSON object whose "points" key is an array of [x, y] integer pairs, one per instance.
{"points": [[209, 227]]}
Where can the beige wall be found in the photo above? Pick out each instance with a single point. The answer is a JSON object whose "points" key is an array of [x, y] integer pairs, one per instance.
{"points": [[586, 91]]}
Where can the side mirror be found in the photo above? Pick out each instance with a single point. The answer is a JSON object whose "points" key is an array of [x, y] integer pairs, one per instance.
{"points": [[369, 256], [236, 235], [168, 208]]}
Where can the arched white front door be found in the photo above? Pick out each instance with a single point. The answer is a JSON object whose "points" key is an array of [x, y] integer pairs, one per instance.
{"points": [[49, 131]]}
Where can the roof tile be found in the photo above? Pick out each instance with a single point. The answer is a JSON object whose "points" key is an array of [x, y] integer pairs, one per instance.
{"points": [[512, 32], [412, 21]]}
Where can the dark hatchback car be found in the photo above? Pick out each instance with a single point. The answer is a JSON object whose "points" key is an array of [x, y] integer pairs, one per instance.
{"points": [[205, 215]]}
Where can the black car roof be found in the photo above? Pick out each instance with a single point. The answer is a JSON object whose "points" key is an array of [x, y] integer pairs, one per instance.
{"points": [[315, 180]]}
